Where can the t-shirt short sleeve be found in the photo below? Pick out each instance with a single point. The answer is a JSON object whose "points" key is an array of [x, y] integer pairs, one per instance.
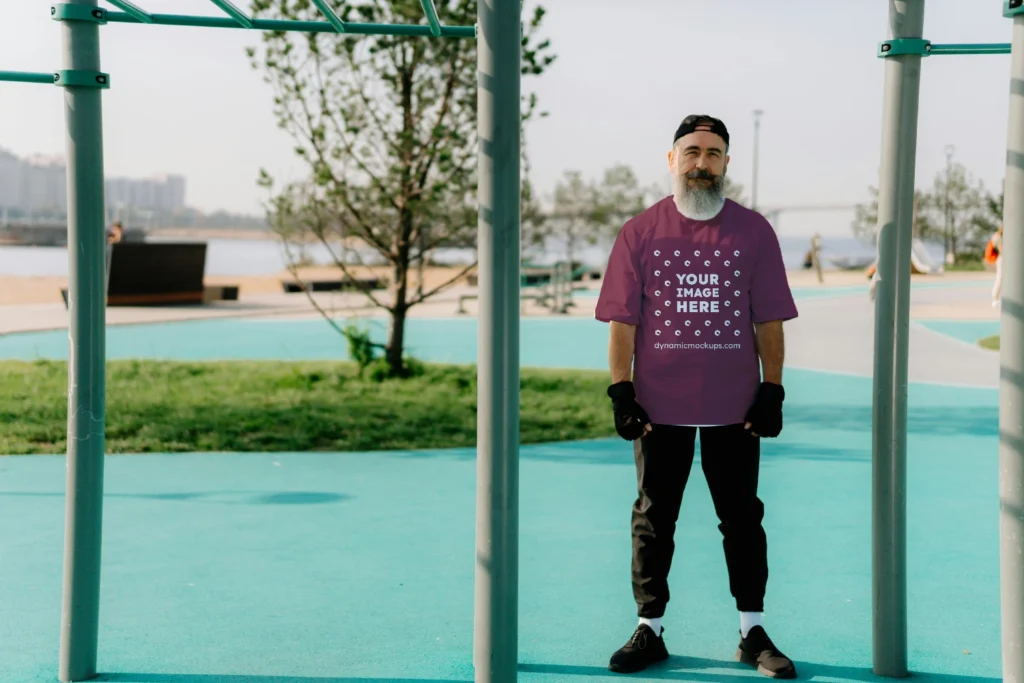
{"points": [[770, 295], [621, 286]]}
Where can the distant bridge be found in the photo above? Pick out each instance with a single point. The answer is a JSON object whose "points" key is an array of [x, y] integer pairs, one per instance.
{"points": [[808, 207], [774, 213]]}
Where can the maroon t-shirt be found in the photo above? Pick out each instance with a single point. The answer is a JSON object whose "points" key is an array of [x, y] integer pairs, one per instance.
{"points": [[694, 289]]}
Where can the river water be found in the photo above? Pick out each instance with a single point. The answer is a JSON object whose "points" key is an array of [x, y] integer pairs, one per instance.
{"points": [[265, 257]]}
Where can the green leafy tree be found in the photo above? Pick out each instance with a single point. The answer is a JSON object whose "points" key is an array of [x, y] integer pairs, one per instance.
{"points": [[574, 218], [533, 220], [589, 211], [585, 211], [994, 209], [865, 220], [957, 212], [387, 126], [620, 196], [961, 220], [989, 220], [734, 191]]}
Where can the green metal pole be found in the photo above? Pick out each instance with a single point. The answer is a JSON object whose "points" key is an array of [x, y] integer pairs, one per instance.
{"points": [[86, 354], [497, 527], [892, 313], [1011, 375]]}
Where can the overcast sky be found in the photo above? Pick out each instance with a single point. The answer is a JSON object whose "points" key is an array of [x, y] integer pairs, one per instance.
{"points": [[185, 100]]}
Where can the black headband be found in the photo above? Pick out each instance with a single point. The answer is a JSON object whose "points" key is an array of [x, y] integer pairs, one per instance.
{"points": [[695, 122]]}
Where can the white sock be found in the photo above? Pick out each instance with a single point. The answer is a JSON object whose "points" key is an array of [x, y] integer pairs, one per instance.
{"points": [[749, 620], [655, 624]]}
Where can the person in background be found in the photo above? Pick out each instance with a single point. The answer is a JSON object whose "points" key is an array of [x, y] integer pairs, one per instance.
{"points": [[695, 294], [996, 246], [115, 233]]}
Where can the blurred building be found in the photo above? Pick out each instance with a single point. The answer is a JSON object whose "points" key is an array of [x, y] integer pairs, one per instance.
{"points": [[39, 184], [159, 193]]}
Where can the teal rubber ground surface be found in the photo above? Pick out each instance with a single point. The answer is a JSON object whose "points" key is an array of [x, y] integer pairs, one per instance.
{"points": [[303, 568], [812, 292], [358, 567], [970, 331], [798, 292], [449, 340], [543, 341]]}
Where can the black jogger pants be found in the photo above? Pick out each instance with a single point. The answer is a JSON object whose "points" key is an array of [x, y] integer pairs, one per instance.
{"points": [[730, 457]]}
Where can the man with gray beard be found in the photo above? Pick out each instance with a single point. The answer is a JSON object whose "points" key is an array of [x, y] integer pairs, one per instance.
{"points": [[695, 295]]}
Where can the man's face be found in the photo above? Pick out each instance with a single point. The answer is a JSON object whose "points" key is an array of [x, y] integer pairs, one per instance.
{"points": [[698, 163], [700, 156]]}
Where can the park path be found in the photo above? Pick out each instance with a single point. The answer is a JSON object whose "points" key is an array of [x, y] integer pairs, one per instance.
{"points": [[834, 331], [836, 334]]}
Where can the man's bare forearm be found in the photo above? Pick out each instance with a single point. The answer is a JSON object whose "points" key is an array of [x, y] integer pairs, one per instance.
{"points": [[771, 349], [620, 351]]}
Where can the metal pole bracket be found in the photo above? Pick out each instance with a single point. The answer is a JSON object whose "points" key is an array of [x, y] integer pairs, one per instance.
{"points": [[81, 79], [68, 12], [904, 46], [1012, 8]]}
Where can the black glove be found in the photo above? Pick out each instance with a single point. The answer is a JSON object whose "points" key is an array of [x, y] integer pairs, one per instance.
{"points": [[630, 418], [765, 415]]}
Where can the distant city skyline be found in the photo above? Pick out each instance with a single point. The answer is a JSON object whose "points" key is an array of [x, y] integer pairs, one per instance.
{"points": [[38, 183], [186, 99]]}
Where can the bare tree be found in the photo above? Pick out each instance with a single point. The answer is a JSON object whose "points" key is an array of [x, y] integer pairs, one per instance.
{"points": [[387, 127]]}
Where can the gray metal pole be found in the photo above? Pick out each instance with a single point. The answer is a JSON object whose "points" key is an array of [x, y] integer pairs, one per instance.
{"points": [[86, 355], [757, 150], [497, 504], [892, 312], [1011, 378]]}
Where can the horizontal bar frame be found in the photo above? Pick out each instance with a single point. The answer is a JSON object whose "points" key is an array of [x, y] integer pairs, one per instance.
{"points": [[137, 12], [925, 48], [331, 15], [292, 25], [238, 15], [431, 13], [27, 77], [971, 49]]}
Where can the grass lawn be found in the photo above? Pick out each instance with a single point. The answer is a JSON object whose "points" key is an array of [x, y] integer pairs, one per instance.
{"points": [[991, 343], [281, 406], [970, 266]]}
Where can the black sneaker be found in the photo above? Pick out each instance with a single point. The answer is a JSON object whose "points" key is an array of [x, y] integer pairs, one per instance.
{"points": [[643, 649], [758, 650]]}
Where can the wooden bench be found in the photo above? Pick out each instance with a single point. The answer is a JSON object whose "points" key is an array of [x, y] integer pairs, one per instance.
{"points": [[541, 299], [342, 285], [160, 274], [210, 293]]}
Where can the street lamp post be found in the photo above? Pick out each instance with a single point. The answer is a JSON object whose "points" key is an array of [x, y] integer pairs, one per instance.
{"points": [[757, 145], [948, 219]]}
